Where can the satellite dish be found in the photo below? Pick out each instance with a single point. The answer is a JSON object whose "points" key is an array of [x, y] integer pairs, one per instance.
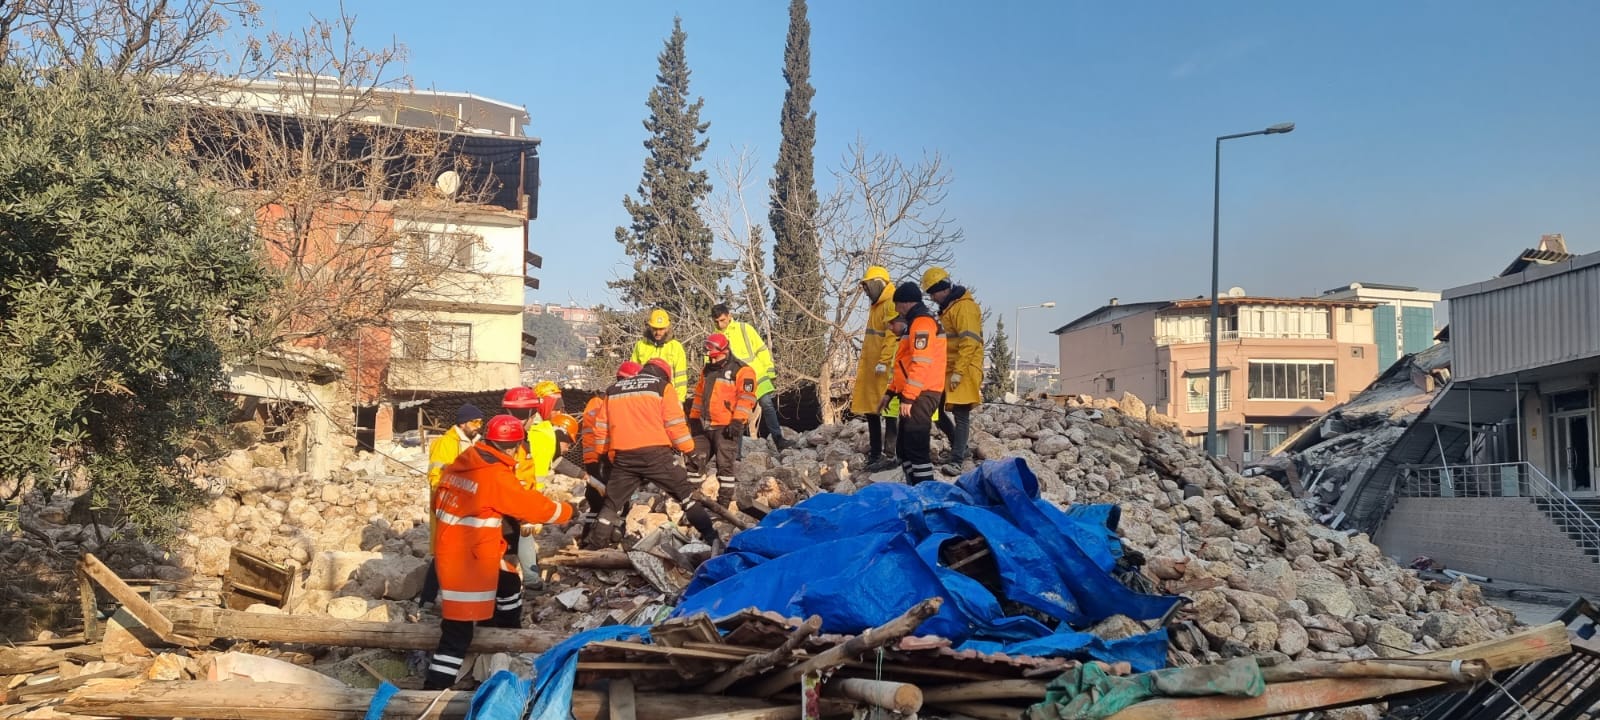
{"points": [[448, 183], [1199, 385], [1236, 291]]}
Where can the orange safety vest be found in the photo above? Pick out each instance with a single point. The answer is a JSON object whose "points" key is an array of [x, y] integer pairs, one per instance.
{"points": [[731, 397], [919, 363], [591, 412], [639, 412], [476, 491]]}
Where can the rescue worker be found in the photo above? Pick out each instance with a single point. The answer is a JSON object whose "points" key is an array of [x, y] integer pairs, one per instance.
{"points": [[478, 583], [872, 368], [534, 407], [659, 343], [748, 348], [639, 428], [441, 452], [593, 462], [962, 321], [720, 408], [917, 382]]}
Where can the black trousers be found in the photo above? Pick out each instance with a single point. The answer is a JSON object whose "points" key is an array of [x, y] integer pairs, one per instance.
{"points": [[723, 452], [879, 430], [916, 430], [956, 424], [455, 636], [631, 470]]}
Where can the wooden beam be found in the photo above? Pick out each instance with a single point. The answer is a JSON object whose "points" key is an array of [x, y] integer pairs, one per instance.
{"points": [[257, 627], [621, 705], [1473, 671], [1287, 698], [598, 559], [133, 602], [203, 700], [61, 685], [1002, 690], [872, 639], [902, 698], [736, 519], [756, 664]]}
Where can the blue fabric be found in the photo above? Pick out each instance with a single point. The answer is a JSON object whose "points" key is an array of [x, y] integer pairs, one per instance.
{"points": [[380, 700], [502, 697], [555, 669], [860, 560]]}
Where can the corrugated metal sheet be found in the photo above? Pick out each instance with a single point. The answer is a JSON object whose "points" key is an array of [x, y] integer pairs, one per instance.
{"points": [[1510, 327]]}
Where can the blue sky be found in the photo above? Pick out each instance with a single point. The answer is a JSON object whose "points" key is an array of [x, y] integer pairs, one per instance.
{"points": [[1434, 140]]}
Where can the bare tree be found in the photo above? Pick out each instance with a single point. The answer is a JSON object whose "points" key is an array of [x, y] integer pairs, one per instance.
{"points": [[173, 41]]}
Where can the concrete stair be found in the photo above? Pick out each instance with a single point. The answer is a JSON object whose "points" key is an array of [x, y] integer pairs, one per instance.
{"points": [[1577, 530]]}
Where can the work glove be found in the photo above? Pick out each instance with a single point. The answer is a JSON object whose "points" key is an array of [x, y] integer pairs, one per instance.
{"points": [[584, 518], [733, 430], [955, 380], [880, 368]]}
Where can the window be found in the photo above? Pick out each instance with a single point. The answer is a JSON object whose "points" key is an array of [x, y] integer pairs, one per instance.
{"points": [[1166, 386], [1111, 385], [1349, 315], [439, 250], [1290, 380], [1199, 385], [1285, 322], [433, 341], [1249, 444], [1116, 328], [1273, 436]]}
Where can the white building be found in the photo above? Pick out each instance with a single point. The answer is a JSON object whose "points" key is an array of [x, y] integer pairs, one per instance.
{"points": [[1402, 320]]}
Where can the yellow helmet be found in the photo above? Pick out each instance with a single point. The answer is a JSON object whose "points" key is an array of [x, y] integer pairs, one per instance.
{"points": [[933, 277], [876, 272], [546, 388], [659, 320]]}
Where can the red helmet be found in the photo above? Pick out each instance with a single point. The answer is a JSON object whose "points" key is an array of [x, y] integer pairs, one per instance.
{"points": [[717, 344], [662, 365], [505, 428], [628, 369], [519, 397]]}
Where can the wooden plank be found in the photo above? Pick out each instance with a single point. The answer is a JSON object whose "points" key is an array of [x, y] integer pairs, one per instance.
{"points": [[132, 601], [60, 685], [1473, 671], [872, 639], [624, 667], [756, 664], [257, 627], [597, 559], [203, 700], [1002, 690], [89, 605], [669, 651], [1287, 698], [621, 705], [902, 698]]}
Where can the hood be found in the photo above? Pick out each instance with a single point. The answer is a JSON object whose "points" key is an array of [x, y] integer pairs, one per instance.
{"points": [[957, 294]]}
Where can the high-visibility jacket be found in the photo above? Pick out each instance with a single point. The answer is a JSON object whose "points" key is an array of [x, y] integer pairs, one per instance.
{"points": [[443, 451], [640, 412], [962, 321], [920, 361], [747, 346], [476, 492], [725, 394], [671, 351], [877, 348], [591, 411], [534, 457]]}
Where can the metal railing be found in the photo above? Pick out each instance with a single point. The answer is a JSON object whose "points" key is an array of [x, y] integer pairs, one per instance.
{"points": [[1515, 479]]}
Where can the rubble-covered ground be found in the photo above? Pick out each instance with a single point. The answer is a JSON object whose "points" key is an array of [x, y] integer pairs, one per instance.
{"points": [[1263, 577]]}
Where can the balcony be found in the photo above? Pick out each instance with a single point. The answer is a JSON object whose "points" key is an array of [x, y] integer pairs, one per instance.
{"points": [[450, 375]]}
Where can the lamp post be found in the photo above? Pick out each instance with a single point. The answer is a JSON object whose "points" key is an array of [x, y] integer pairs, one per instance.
{"points": [[1016, 327], [1216, 206]]}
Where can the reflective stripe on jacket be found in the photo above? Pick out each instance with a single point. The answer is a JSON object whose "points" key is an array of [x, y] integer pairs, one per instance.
{"points": [[639, 412], [730, 397], [919, 365], [877, 347], [586, 429], [747, 346], [962, 320], [443, 451], [476, 491], [671, 351]]}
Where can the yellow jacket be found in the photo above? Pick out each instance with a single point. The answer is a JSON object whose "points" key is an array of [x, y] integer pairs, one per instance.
{"points": [[748, 347], [963, 324], [877, 348], [671, 351], [534, 465]]}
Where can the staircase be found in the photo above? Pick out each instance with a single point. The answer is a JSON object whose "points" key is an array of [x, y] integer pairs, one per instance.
{"points": [[1577, 517]]}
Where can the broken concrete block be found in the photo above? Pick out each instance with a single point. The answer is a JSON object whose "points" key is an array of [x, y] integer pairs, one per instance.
{"points": [[348, 608]]}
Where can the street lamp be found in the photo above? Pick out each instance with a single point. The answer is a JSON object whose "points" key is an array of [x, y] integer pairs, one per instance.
{"points": [[1016, 327], [1216, 206]]}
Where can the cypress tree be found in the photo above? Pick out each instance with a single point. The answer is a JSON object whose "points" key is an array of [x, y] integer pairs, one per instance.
{"points": [[669, 242], [1001, 360], [796, 257]]}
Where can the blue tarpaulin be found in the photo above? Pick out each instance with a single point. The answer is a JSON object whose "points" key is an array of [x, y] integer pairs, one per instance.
{"points": [[860, 560]]}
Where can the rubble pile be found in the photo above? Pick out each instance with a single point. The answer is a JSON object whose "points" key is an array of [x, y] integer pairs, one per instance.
{"points": [[1262, 575]]}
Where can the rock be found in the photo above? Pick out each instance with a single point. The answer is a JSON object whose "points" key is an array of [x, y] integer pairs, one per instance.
{"points": [[396, 577], [1117, 627], [1275, 579], [381, 613], [332, 571], [1051, 445], [1253, 607], [1292, 638], [1452, 629], [347, 608], [267, 456], [1325, 593], [169, 666], [211, 558], [1261, 636], [1389, 641]]}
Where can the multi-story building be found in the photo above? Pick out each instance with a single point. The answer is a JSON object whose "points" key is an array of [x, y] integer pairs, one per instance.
{"points": [[1281, 362], [1402, 320]]}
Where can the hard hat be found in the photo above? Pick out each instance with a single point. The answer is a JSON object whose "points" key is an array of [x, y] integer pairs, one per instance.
{"points": [[566, 426], [520, 398], [876, 272], [545, 388], [628, 369], [717, 344], [659, 320], [505, 428], [662, 365], [933, 277]]}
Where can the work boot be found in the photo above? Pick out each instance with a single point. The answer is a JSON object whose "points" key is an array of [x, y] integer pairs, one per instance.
{"points": [[885, 462]]}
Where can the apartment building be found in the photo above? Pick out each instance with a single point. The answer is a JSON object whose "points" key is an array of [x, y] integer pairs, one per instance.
{"points": [[1402, 320], [1281, 363]]}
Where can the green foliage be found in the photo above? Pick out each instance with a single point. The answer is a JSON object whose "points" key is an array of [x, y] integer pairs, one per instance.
{"points": [[559, 344], [673, 266], [123, 287], [798, 305], [1001, 360]]}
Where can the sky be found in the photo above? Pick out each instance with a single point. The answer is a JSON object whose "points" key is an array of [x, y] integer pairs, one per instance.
{"points": [[1434, 140]]}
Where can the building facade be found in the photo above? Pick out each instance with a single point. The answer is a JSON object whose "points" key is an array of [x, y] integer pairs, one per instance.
{"points": [[1282, 362], [1402, 318]]}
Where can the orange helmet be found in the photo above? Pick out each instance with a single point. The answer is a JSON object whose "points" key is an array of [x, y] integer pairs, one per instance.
{"points": [[505, 428], [566, 427], [519, 398]]}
